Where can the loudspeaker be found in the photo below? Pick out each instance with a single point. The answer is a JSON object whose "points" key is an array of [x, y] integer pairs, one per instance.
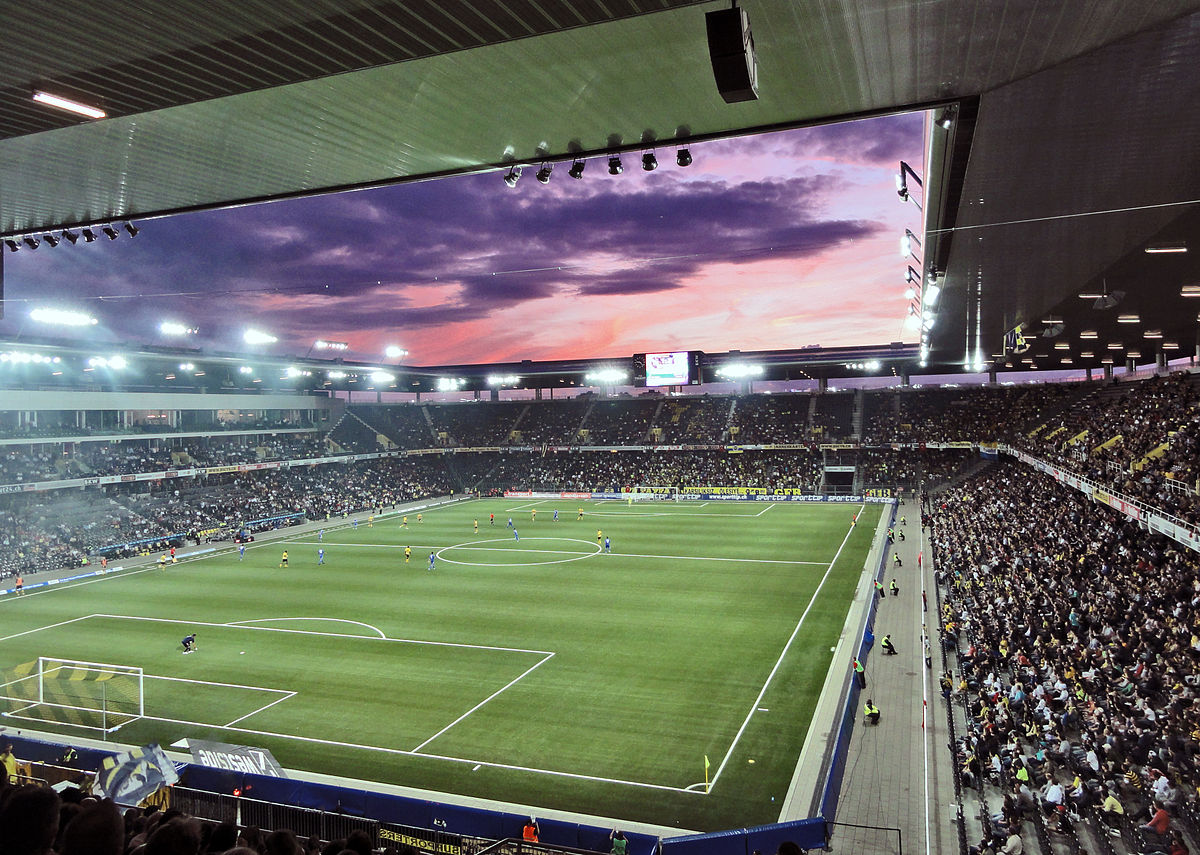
{"points": [[731, 49]]}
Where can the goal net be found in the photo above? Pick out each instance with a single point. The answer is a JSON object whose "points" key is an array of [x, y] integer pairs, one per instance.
{"points": [[652, 494], [88, 695]]}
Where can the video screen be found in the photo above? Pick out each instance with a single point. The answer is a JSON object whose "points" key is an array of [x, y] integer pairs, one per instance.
{"points": [[667, 369]]}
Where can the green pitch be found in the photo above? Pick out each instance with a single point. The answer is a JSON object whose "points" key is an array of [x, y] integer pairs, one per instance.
{"points": [[542, 672]]}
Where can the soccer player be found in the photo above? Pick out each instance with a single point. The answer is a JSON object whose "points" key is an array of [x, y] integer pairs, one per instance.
{"points": [[173, 560], [321, 535], [20, 585], [556, 514], [477, 526], [419, 518], [516, 536], [189, 643], [404, 522], [371, 521], [241, 551], [510, 525], [533, 515], [407, 553], [432, 560], [578, 518], [599, 536], [162, 561], [283, 559], [607, 545], [103, 562], [354, 525], [321, 555], [492, 519]]}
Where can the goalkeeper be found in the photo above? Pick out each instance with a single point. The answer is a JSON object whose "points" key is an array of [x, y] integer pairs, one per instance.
{"points": [[189, 643]]}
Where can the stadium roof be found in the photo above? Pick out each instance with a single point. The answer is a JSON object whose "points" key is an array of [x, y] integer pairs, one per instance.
{"points": [[1068, 107]]}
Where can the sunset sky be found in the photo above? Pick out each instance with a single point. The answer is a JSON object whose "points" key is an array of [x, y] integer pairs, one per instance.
{"points": [[774, 241]]}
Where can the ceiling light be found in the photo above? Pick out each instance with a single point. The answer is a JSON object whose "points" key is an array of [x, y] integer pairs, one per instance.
{"points": [[1129, 319], [1088, 334], [513, 176], [649, 161], [1177, 246], [68, 104], [1108, 360], [88, 235], [614, 165], [1170, 345], [1062, 345], [1066, 360], [1090, 295], [110, 231], [683, 157], [1190, 291], [1087, 354], [32, 242], [543, 174], [576, 170], [1133, 354], [1152, 334], [1115, 345], [12, 245], [946, 119], [62, 317]]}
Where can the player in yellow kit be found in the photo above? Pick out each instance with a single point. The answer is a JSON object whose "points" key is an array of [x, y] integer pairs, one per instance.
{"points": [[407, 553]]}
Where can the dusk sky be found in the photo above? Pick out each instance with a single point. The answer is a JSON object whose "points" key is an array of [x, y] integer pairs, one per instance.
{"points": [[774, 241]]}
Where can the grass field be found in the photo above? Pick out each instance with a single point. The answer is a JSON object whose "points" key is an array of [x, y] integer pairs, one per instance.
{"points": [[541, 672]]}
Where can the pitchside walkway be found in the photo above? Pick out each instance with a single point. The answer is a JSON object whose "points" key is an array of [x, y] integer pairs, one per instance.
{"points": [[899, 773]]}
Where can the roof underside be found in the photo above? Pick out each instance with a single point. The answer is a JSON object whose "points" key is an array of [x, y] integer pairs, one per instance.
{"points": [[1083, 105]]}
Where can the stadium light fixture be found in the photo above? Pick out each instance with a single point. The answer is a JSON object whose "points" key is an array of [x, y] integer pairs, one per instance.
{"points": [[62, 317], [187, 366], [175, 328], [110, 232], [906, 244], [503, 380], [543, 174], [902, 183], [1190, 291], [245, 369], [1170, 345], [258, 337], [614, 165], [1152, 334], [132, 229], [1062, 345], [649, 162], [51, 239], [88, 235], [1161, 248], [449, 384], [1129, 319], [1089, 334], [70, 105], [1133, 354], [513, 176], [576, 170], [930, 294], [12, 245], [32, 242], [606, 376], [382, 376], [683, 157], [322, 344], [740, 371], [394, 351], [910, 294], [1087, 354], [946, 120]]}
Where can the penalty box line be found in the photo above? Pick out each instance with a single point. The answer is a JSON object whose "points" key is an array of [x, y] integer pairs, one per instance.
{"points": [[783, 653]]}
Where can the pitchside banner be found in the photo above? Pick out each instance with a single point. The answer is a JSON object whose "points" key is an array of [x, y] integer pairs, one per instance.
{"points": [[239, 758]]}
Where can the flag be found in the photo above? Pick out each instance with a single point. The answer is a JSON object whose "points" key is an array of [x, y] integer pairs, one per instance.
{"points": [[706, 766], [129, 777]]}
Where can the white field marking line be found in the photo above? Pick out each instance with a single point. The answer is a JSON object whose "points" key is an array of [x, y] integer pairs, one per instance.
{"points": [[572, 552], [51, 721], [526, 505], [405, 753], [327, 634], [326, 619], [764, 510], [40, 628], [782, 654], [494, 694], [263, 707], [213, 683], [672, 514]]}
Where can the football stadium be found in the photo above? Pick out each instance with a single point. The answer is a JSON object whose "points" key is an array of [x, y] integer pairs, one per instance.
{"points": [[459, 428]]}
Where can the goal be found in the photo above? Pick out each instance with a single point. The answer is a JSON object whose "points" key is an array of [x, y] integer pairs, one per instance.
{"points": [[89, 695]]}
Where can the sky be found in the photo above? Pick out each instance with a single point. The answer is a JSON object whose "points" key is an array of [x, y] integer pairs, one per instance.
{"points": [[765, 242]]}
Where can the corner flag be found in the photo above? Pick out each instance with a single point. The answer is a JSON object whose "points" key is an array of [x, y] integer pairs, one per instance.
{"points": [[706, 773]]}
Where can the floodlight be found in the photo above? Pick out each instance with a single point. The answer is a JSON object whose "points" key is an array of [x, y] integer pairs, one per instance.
{"points": [[109, 231], [902, 183], [1129, 319], [62, 317], [245, 369], [649, 161], [393, 351], [576, 170], [12, 245], [88, 235], [946, 119], [930, 294], [906, 243], [117, 362], [543, 174], [606, 376], [132, 229], [51, 239], [614, 165], [382, 377], [68, 104], [257, 337], [173, 328], [322, 344], [32, 242], [513, 176], [683, 157], [187, 366], [1177, 246]]}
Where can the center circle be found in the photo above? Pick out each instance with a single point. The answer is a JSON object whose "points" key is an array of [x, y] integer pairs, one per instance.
{"points": [[575, 557]]}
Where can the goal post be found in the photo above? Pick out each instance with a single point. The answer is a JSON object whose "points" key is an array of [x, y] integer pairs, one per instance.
{"points": [[651, 494], [90, 695]]}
